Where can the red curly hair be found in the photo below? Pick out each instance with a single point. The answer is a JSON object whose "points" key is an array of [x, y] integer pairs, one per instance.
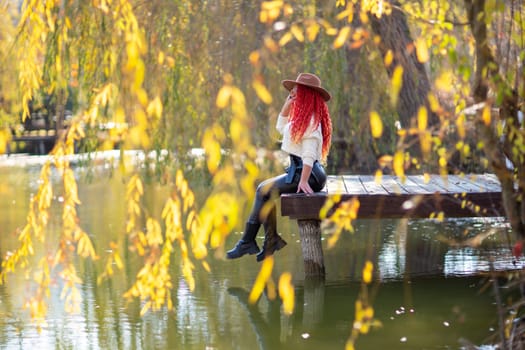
{"points": [[308, 102]]}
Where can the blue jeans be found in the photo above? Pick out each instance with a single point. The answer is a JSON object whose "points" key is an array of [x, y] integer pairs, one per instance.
{"points": [[263, 210]]}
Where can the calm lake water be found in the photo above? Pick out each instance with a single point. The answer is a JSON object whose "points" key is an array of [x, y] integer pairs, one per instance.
{"points": [[428, 294]]}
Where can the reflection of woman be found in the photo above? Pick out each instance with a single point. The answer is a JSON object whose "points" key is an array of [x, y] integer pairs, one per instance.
{"points": [[306, 127]]}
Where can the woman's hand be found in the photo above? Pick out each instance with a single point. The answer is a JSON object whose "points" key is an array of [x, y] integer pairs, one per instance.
{"points": [[290, 99], [304, 187]]}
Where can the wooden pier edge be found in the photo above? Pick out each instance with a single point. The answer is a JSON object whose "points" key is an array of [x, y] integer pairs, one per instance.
{"points": [[480, 199]]}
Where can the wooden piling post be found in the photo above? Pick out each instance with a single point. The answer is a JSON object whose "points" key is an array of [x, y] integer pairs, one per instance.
{"points": [[310, 233]]}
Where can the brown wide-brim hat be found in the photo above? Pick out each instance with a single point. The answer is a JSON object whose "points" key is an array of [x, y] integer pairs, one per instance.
{"points": [[310, 80]]}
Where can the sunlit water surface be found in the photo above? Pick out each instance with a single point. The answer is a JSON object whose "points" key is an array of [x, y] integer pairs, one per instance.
{"points": [[428, 292]]}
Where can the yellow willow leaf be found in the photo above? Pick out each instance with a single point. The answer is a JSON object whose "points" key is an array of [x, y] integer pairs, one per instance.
{"points": [[486, 116], [466, 150], [271, 5], [171, 61], [287, 10], [154, 232], [332, 241], [396, 84], [263, 16], [271, 291], [255, 57], [346, 13], [285, 39], [223, 97], [189, 219], [363, 16], [237, 130], [286, 293], [206, 266], [262, 92], [389, 58], [199, 251], [238, 102], [341, 37], [442, 162], [421, 50], [385, 161], [71, 185], [46, 196], [312, 30], [444, 81], [399, 164], [349, 345], [425, 140], [5, 138], [81, 246], [297, 32], [422, 118], [328, 204], [88, 249], [460, 125], [426, 178], [145, 308], [261, 280], [154, 108], [376, 125], [118, 261], [434, 102], [270, 44], [367, 272], [378, 176], [138, 184], [160, 57]]}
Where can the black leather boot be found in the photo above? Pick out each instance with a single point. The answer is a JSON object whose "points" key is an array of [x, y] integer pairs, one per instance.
{"points": [[272, 241], [246, 244]]}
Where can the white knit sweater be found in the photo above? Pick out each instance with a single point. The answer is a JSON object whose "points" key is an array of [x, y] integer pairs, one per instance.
{"points": [[310, 148]]}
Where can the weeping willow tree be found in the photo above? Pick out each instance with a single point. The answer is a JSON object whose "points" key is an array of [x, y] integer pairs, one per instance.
{"points": [[142, 66], [165, 73]]}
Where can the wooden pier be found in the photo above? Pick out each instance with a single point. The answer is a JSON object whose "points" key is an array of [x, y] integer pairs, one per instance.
{"points": [[415, 196]]}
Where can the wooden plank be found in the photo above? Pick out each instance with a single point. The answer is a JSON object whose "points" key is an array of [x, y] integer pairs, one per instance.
{"points": [[392, 185], [487, 182], [353, 185], [467, 185], [334, 184], [445, 183], [417, 186], [371, 186]]}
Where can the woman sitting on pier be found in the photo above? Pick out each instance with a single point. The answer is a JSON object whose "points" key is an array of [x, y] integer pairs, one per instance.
{"points": [[304, 122]]}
